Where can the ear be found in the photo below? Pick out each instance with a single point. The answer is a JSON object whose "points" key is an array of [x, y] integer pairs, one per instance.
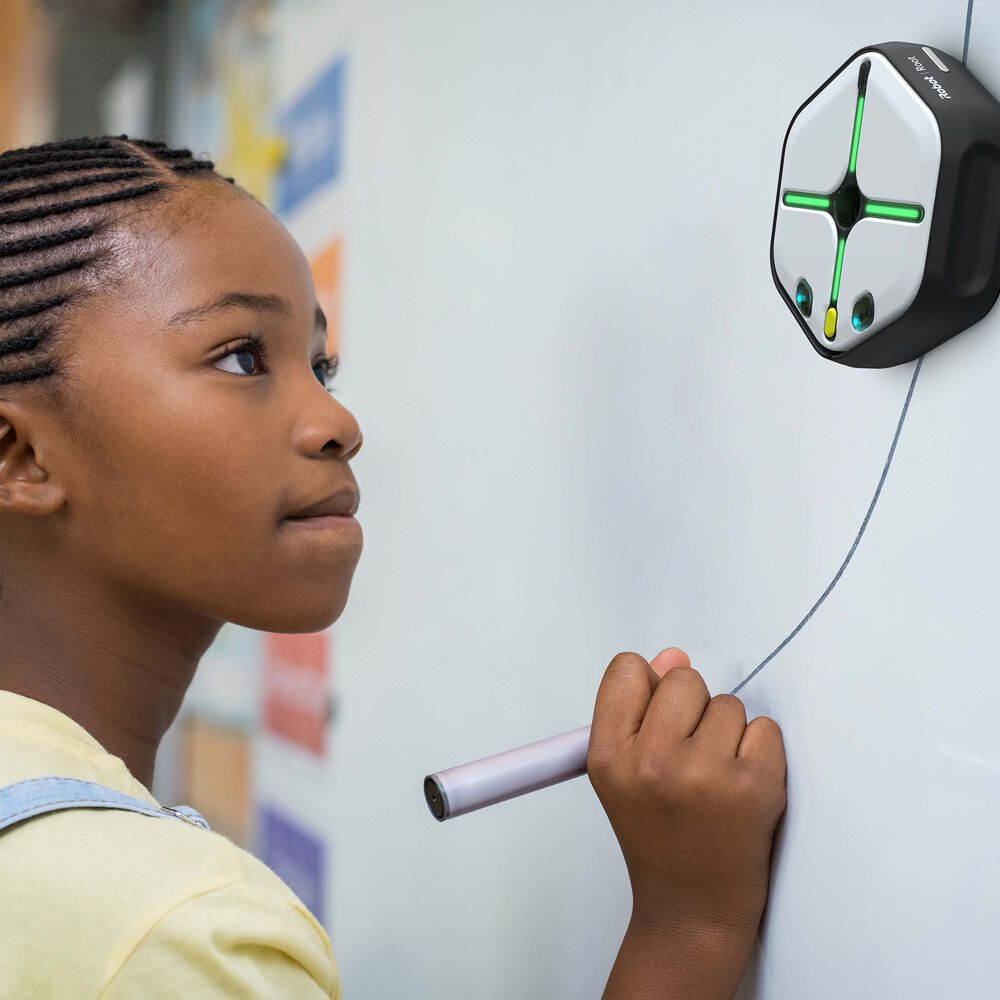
{"points": [[26, 487]]}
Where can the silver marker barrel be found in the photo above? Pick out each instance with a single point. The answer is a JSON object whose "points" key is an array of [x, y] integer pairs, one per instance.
{"points": [[506, 775]]}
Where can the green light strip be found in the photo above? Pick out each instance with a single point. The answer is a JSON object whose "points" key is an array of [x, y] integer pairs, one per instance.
{"points": [[894, 210], [837, 268], [857, 134], [802, 200]]}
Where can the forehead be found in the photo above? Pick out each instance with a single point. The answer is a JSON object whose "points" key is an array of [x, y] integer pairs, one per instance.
{"points": [[207, 240]]}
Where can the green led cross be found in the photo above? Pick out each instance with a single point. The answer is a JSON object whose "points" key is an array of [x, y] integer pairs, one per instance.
{"points": [[848, 204]]}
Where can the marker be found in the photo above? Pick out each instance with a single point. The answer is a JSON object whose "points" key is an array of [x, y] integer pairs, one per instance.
{"points": [[489, 780]]}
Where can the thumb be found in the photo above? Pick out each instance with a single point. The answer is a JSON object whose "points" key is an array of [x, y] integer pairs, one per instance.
{"points": [[666, 660]]}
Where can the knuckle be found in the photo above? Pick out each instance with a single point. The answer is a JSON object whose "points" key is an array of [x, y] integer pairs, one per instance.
{"points": [[761, 792], [780, 798], [685, 686], [699, 777], [747, 781], [767, 724], [682, 677], [729, 701], [649, 774], [627, 662], [775, 801]]}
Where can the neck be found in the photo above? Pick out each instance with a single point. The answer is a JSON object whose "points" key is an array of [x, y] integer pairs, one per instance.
{"points": [[117, 665]]}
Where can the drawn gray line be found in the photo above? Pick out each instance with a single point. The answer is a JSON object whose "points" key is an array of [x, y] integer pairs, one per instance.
{"points": [[968, 26], [850, 555], [878, 490]]}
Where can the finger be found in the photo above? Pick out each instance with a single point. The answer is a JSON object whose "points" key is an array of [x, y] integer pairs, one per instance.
{"points": [[676, 706], [763, 744], [669, 658], [621, 702], [665, 660], [722, 725]]}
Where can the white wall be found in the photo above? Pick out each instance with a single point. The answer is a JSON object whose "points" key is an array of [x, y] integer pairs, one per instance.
{"points": [[592, 426]]}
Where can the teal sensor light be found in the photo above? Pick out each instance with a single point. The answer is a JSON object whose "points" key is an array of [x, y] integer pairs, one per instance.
{"points": [[886, 236]]}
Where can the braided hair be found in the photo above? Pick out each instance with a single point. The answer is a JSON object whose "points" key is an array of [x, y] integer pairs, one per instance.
{"points": [[57, 248]]}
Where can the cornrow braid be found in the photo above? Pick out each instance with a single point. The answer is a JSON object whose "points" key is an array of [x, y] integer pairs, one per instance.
{"points": [[60, 205]]}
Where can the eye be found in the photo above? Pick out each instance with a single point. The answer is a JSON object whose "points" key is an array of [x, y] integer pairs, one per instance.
{"points": [[251, 346], [327, 370], [255, 348]]}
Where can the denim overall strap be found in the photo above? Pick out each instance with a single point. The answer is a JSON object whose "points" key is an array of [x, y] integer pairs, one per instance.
{"points": [[36, 796]]}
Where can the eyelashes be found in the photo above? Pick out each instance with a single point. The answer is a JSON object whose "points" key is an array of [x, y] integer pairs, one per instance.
{"points": [[257, 347]]}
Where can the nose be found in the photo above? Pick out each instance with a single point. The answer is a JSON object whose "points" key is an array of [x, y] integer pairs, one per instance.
{"points": [[327, 427], [357, 446]]}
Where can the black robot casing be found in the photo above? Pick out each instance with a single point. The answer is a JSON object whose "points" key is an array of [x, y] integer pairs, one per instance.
{"points": [[886, 234]]}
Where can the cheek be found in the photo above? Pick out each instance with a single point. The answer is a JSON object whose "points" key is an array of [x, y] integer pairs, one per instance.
{"points": [[175, 492], [181, 506]]}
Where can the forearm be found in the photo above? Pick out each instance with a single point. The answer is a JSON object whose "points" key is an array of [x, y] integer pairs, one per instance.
{"points": [[678, 963]]}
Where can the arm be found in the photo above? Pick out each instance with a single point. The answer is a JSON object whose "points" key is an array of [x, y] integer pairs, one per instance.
{"points": [[686, 961]]}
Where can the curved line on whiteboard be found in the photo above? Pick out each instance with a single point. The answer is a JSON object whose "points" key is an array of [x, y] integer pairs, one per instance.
{"points": [[968, 28], [850, 555]]}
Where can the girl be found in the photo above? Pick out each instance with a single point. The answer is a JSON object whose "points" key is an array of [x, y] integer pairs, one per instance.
{"points": [[171, 458]]}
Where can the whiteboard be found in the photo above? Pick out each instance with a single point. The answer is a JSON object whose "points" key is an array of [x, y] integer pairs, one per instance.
{"points": [[591, 426]]}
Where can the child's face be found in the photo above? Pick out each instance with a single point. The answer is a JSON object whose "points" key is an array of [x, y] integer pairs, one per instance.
{"points": [[179, 466]]}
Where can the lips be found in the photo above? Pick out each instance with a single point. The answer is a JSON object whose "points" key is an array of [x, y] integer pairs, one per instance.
{"points": [[342, 503]]}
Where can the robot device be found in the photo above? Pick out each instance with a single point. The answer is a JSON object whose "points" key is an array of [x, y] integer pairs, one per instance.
{"points": [[886, 236]]}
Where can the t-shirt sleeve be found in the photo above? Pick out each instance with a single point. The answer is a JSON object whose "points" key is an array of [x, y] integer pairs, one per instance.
{"points": [[231, 941]]}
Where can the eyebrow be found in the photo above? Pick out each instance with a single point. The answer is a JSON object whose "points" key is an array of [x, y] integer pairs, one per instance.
{"points": [[267, 304]]}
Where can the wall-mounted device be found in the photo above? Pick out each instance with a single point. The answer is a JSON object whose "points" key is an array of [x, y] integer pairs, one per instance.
{"points": [[886, 235]]}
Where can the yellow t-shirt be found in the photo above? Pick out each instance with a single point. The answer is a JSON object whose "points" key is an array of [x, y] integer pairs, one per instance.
{"points": [[107, 904]]}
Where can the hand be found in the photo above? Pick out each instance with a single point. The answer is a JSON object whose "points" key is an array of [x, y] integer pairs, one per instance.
{"points": [[693, 794]]}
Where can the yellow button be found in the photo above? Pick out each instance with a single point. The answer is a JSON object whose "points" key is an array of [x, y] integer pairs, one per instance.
{"points": [[830, 326]]}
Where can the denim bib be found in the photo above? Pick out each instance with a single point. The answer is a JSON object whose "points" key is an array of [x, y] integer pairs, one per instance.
{"points": [[37, 796]]}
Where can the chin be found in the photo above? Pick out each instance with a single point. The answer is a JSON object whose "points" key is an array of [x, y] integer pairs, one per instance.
{"points": [[297, 616]]}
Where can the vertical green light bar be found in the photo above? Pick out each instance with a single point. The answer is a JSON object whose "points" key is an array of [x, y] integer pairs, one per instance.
{"points": [[857, 134], [837, 268]]}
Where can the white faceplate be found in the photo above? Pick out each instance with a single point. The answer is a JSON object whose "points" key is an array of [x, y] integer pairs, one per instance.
{"points": [[819, 143], [899, 156], [808, 249]]}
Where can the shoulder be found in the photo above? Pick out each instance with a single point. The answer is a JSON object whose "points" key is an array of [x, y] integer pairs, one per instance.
{"points": [[132, 889], [233, 940]]}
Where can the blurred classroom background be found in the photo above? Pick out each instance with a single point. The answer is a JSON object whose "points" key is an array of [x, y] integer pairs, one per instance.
{"points": [[435, 162], [205, 74]]}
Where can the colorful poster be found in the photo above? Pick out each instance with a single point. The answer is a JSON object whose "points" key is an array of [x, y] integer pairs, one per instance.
{"points": [[326, 268], [313, 128], [226, 686], [28, 44], [224, 85], [296, 697], [216, 778], [295, 855]]}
